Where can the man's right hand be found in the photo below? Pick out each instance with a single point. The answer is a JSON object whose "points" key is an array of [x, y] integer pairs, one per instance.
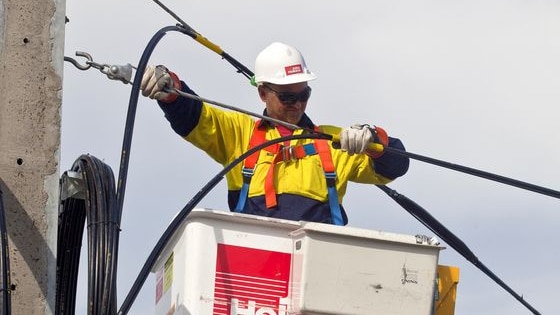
{"points": [[157, 81]]}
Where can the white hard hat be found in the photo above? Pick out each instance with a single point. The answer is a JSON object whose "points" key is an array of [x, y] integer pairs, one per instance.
{"points": [[281, 64]]}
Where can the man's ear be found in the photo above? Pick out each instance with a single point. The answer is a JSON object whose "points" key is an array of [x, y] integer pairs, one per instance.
{"points": [[262, 93]]}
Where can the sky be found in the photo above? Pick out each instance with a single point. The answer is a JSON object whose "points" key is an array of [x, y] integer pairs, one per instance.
{"points": [[475, 83]]}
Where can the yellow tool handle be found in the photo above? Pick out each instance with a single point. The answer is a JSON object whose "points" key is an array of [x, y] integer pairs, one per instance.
{"points": [[208, 44]]}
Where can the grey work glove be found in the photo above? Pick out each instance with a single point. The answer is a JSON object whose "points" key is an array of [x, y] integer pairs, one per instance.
{"points": [[356, 139], [155, 81]]}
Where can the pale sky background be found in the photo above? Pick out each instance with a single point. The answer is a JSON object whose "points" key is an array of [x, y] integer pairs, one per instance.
{"points": [[475, 83]]}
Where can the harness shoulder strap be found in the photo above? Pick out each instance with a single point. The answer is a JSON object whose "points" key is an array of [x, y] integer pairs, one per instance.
{"points": [[330, 175], [320, 146], [257, 137]]}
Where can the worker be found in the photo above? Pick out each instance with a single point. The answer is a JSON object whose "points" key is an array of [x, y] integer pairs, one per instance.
{"points": [[303, 179]]}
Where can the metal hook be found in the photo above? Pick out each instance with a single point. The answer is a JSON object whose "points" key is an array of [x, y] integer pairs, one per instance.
{"points": [[113, 72], [78, 65]]}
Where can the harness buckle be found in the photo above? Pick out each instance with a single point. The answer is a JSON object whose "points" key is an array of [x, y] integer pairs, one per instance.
{"points": [[331, 178], [288, 153], [247, 172]]}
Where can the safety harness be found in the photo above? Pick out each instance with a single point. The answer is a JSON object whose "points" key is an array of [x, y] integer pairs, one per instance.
{"points": [[284, 153]]}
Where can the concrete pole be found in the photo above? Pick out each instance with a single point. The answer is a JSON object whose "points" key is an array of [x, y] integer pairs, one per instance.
{"points": [[31, 62]]}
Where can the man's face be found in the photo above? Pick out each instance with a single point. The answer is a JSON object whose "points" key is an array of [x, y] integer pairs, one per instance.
{"points": [[285, 102]]}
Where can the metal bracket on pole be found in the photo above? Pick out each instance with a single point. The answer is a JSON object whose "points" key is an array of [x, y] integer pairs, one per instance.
{"points": [[72, 186]]}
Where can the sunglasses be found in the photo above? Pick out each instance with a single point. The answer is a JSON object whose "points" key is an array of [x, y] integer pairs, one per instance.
{"points": [[290, 98]]}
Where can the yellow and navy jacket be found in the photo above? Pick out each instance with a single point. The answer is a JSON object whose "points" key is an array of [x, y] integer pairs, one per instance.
{"points": [[300, 186]]}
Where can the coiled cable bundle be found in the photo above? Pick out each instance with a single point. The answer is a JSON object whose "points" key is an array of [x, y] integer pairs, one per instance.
{"points": [[98, 206]]}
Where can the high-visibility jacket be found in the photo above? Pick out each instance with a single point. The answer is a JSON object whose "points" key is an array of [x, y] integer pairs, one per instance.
{"points": [[300, 186], [288, 152]]}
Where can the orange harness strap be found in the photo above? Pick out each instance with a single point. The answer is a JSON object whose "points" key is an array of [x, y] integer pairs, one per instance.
{"points": [[283, 154]]}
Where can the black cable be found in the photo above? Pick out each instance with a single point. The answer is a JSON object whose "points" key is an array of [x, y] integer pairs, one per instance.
{"points": [[479, 173], [6, 282], [103, 218], [181, 216], [71, 221], [448, 237], [131, 114]]}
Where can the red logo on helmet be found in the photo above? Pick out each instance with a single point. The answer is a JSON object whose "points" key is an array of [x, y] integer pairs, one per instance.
{"points": [[295, 69]]}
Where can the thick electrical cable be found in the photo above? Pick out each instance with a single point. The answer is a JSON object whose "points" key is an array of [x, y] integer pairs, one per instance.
{"points": [[448, 237], [479, 173], [99, 210], [6, 282], [131, 114], [71, 221], [182, 215]]}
